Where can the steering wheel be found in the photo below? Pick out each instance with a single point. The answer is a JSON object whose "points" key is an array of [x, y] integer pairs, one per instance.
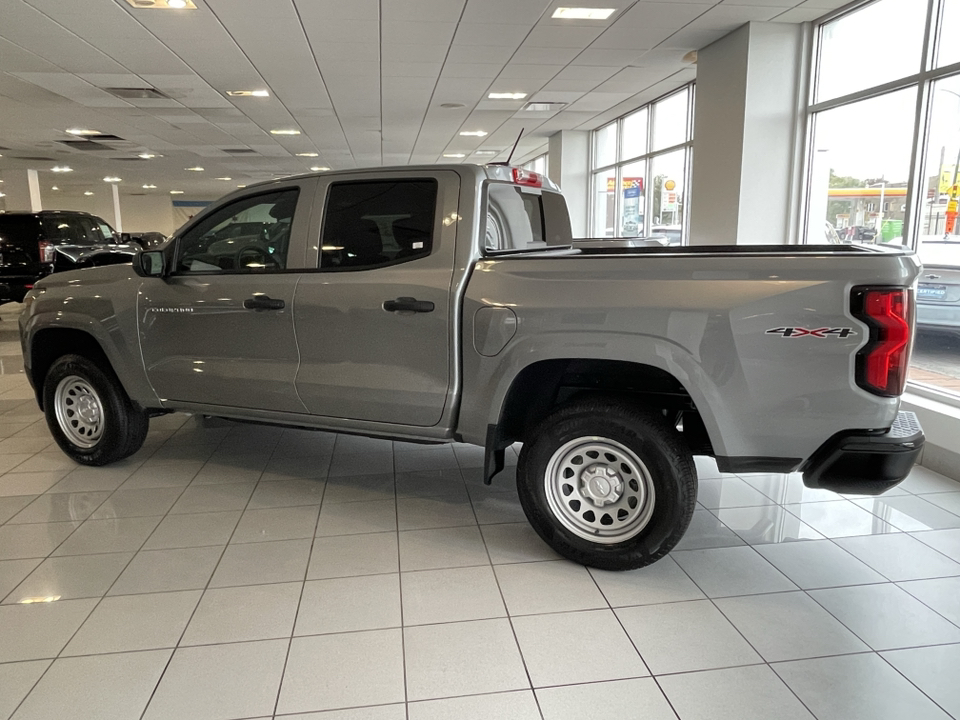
{"points": [[254, 256]]}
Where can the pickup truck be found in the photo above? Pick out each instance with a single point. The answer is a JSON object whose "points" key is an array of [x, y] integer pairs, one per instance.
{"points": [[442, 304]]}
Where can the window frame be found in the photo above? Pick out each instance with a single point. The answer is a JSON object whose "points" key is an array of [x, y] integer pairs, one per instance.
{"points": [[215, 209], [648, 156]]}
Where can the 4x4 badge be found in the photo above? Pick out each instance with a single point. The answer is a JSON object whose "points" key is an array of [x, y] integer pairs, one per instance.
{"points": [[795, 332]]}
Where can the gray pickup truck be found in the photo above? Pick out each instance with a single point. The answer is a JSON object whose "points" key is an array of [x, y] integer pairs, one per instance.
{"points": [[450, 303]]}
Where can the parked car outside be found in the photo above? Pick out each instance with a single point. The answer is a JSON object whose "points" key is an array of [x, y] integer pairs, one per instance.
{"points": [[35, 244], [673, 233], [938, 289]]}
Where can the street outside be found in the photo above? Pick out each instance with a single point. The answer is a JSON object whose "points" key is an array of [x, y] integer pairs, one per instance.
{"points": [[936, 360]]}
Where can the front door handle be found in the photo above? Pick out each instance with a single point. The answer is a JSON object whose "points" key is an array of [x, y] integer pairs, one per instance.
{"points": [[262, 302], [408, 304]]}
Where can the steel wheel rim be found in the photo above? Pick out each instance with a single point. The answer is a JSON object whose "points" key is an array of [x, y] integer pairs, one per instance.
{"points": [[599, 490], [79, 411]]}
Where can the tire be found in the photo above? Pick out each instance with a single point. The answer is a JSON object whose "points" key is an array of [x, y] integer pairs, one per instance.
{"points": [[607, 484], [89, 413]]}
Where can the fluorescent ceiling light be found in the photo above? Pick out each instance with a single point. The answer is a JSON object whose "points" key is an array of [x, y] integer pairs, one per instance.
{"points": [[543, 106], [176, 192], [308, 154], [454, 155], [148, 156], [474, 133], [81, 131], [319, 168], [149, 187], [239, 186], [285, 131], [195, 169], [224, 178], [163, 4], [54, 188], [112, 179], [88, 193], [486, 152], [2, 195], [563, 13], [506, 96], [62, 168], [248, 93]]}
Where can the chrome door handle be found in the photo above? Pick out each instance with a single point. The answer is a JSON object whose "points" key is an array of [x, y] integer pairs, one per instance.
{"points": [[262, 302], [408, 304]]}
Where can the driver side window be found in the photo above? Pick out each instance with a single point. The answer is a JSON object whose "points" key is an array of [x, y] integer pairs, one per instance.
{"points": [[249, 235]]}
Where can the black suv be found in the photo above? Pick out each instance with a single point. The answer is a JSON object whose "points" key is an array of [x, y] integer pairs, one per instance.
{"points": [[35, 244]]}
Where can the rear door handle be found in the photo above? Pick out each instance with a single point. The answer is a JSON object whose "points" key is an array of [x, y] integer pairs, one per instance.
{"points": [[408, 304], [262, 302]]}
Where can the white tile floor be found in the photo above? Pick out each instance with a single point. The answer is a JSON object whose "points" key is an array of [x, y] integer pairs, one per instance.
{"points": [[233, 572]]}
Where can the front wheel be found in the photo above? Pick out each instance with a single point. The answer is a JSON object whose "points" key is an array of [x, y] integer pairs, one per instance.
{"points": [[89, 413], [607, 484]]}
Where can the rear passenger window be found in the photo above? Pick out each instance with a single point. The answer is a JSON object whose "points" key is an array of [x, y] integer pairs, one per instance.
{"points": [[372, 224], [58, 228]]}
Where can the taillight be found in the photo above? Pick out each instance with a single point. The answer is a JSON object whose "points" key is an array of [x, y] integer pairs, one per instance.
{"points": [[527, 177], [47, 251], [882, 363]]}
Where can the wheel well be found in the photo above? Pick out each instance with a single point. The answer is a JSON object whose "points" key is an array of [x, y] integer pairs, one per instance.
{"points": [[540, 387], [48, 345]]}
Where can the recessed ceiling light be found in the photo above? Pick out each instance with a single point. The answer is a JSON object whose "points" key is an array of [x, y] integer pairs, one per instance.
{"points": [[319, 168], [88, 192], [163, 4], [62, 168], [2, 195], [543, 106], [454, 155], [248, 93], [149, 187], [239, 186], [474, 133], [486, 152], [284, 131], [176, 192], [194, 169], [148, 156], [308, 154], [224, 178], [111, 179], [506, 96], [451, 106], [564, 13], [81, 131], [54, 188]]}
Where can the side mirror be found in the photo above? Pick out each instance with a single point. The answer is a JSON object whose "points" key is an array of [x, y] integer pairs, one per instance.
{"points": [[150, 264]]}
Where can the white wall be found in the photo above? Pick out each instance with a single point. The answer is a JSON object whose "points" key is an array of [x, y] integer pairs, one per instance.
{"points": [[568, 166], [140, 213], [746, 123]]}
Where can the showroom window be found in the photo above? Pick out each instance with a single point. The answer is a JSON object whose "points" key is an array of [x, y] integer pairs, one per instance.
{"points": [[885, 154], [537, 165], [641, 170]]}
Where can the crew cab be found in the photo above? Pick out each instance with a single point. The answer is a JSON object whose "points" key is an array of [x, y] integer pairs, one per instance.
{"points": [[437, 304]]}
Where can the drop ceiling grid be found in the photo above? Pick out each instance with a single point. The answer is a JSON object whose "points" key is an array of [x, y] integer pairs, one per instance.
{"points": [[363, 79]]}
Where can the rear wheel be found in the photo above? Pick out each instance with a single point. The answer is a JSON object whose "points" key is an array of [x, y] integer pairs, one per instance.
{"points": [[607, 484], [89, 413]]}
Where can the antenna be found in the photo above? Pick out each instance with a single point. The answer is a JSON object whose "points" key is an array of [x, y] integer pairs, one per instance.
{"points": [[510, 157]]}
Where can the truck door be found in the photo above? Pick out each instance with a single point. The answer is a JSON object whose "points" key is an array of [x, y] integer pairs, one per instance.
{"points": [[219, 329], [374, 322]]}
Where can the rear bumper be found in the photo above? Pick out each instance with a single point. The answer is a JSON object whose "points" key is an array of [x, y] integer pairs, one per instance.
{"points": [[14, 287], [866, 463]]}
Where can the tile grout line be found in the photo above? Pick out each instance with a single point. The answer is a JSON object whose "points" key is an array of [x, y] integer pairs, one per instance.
{"points": [[203, 592], [303, 583]]}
